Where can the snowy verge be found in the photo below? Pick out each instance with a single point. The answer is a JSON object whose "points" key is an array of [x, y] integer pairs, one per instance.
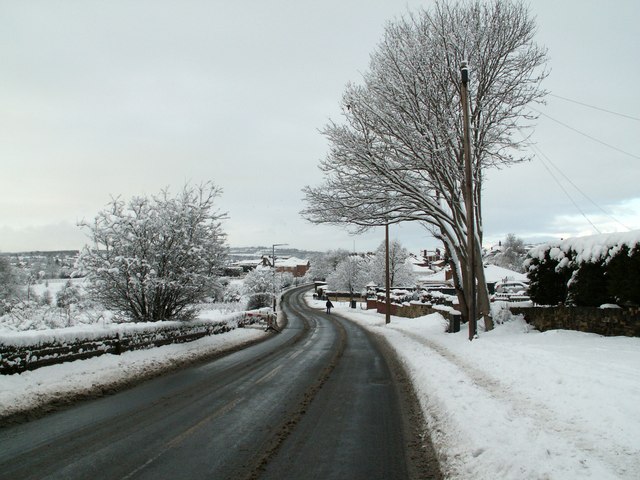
{"points": [[20, 351], [97, 331], [517, 403], [33, 392]]}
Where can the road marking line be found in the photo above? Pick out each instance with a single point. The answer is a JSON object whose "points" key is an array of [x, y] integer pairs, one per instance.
{"points": [[269, 375], [295, 354]]}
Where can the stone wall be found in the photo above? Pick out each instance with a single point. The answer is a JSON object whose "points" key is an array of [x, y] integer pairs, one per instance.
{"points": [[17, 358], [603, 321], [416, 309]]}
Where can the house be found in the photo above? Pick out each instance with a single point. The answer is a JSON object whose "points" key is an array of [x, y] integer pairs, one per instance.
{"points": [[296, 266]]}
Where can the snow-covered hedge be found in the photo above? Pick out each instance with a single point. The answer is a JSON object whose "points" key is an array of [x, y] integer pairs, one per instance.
{"points": [[29, 350], [586, 271]]}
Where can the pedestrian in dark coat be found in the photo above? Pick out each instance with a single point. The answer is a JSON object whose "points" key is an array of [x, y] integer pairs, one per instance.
{"points": [[329, 305]]}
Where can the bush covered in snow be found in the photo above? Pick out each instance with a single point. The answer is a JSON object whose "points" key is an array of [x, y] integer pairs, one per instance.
{"points": [[586, 271], [156, 258], [259, 300], [33, 315], [259, 287]]}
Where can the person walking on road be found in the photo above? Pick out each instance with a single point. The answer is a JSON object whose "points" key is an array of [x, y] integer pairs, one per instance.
{"points": [[329, 305]]}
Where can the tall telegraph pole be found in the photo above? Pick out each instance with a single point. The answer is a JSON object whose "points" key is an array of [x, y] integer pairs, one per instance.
{"points": [[471, 235], [387, 290]]}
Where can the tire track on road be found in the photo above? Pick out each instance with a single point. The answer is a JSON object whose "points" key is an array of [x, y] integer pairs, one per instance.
{"points": [[285, 429]]}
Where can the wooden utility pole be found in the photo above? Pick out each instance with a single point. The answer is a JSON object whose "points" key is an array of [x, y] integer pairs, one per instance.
{"points": [[387, 316], [471, 231]]}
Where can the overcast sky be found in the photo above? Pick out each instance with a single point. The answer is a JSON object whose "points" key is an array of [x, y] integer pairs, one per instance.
{"points": [[123, 98]]}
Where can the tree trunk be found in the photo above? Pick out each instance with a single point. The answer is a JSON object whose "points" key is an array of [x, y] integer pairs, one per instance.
{"points": [[484, 306], [459, 278]]}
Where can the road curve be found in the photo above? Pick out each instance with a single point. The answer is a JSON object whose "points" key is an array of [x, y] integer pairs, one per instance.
{"points": [[315, 401]]}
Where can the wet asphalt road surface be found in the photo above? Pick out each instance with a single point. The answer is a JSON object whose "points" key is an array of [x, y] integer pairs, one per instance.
{"points": [[317, 401]]}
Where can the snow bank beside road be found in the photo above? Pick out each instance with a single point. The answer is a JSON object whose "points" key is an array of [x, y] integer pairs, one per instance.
{"points": [[82, 378], [78, 333], [519, 404]]}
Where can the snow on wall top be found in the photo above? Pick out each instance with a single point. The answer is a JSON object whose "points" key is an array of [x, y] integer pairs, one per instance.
{"points": [[593, 248], [94, 332]]}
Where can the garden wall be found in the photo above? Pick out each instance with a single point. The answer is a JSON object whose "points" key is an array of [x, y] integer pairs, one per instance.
{"points": [[603, 321], [19, 354], [418, 309]]}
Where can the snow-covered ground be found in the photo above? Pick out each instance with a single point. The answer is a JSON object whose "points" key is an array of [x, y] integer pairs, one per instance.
{"points": [[38, 317], [520, 404], [513, 404]]}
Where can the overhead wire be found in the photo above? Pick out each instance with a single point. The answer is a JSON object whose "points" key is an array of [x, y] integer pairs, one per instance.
{"points": [[575, 204], [546, 161], [585, 134], [539, 153], [594, 107], [607, 214]]}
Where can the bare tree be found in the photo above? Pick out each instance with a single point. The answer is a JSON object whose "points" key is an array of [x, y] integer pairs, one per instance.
{"points": [[155, 258], [398, 156]]}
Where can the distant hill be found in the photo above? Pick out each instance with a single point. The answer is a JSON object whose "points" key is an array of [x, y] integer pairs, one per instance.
{"points": [[259, 251], [42, 253]]}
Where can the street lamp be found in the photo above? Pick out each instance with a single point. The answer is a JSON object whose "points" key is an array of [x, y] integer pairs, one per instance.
{"points": [[273, 259]]}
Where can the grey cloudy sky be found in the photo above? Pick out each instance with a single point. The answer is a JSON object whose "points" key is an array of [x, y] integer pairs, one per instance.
{"points": [[101, 99]]}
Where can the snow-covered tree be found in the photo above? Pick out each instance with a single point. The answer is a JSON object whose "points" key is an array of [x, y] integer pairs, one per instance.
{"points": [[398, 156], [8, 284], [325, 263], [285, 279], [155, 258], [260, 280], [260, 287], [67, 297], [400, 270], [232, 293], [349, 275], [46, 298], [512, 254]]}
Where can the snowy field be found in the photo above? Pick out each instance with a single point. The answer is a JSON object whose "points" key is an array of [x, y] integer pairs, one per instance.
{"points": [[38, 317], [520, 404]]}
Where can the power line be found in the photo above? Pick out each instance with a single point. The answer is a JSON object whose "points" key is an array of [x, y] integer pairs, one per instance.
{"points": [[595, 108], [607, 214], [541, 153], [586, 134], [567, 193]]}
